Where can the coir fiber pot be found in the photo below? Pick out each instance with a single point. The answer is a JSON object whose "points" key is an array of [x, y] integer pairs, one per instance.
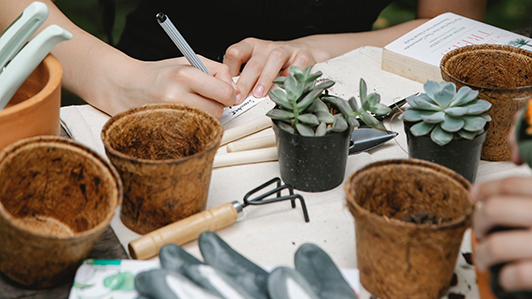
{"points": [[56, 198], [503, 76], [399, 259], [460, 155], [312, 163], [164, 155], [34, 109]]}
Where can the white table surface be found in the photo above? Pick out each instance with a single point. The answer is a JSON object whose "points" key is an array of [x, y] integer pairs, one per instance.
{"points": [[269, 235]]}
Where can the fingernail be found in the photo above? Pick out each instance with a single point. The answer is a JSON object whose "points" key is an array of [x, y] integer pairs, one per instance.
{"points": [[238, 99], [258, 91]]}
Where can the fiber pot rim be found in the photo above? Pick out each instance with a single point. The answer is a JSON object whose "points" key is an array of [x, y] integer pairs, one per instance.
{"points": [[488, 48], [155, 107], [55, 71], [65, 143], [418, 163]]}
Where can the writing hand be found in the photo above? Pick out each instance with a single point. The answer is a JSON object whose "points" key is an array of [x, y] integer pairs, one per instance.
{"points": [[264, 61]]}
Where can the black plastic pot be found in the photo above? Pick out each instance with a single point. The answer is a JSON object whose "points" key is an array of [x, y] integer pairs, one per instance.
{"points": [[460, 155], [312, 163]]}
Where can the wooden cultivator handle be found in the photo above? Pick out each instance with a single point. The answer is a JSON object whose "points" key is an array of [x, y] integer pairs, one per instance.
{"points": [[183, 231]]}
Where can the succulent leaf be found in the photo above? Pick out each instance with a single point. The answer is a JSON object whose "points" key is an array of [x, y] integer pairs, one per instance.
{"points": [[431, 88], [371, 121], [279, 81], [373, 99], [425, 105], [321, 130], [414, 114], [292, 86], [294, 69], [318, 106], [440, 137], [452, 124], [280, 114], [456, 111], [486, 116], [313, 77], [352, 121], [304, 130], [421, 128], [325, 116], [444, 98], [308, 99], [467, 134], [380, 109], [324, 85], [339, 124], [363, 91], [309, 119], [288, 128], [478, 107], [464, 96], [474, 123], [437, 117], [279, 97], [340, 103], [353, 104]]}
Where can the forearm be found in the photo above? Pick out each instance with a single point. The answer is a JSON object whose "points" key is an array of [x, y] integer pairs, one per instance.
{"points": [[88, 63]]}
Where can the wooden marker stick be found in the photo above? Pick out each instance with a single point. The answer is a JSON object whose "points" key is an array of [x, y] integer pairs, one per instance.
{"points": [[183, 231], [251, 144], [246, 129]]}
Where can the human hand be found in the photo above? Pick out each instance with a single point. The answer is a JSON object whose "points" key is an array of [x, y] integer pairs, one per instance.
{"points": [[264, 61], [175, 81], [505, 203]]}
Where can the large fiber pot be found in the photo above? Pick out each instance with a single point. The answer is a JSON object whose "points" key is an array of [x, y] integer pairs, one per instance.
{"points": [[503, 77], [56, 198], [312, 163], [164, 155], [399, 259], [461, 155], [34, 109]]}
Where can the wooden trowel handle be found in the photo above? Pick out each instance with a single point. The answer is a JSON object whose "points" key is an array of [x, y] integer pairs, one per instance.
{"points": [[182, 231]]}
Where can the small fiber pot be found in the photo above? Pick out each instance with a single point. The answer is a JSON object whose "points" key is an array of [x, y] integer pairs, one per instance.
{"points": [[34, 109], [406, 260], [503, 76], [164, 155], [312, 164], [56, 198]]}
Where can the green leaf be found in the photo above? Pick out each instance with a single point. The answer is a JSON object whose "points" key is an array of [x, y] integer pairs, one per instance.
{"points": [[371, 121], [486, 116], [452, 124], [286, 127], [363, 91], [456, 111], [321, 130], [308, 99], [279, 97], [325, 116], [318, 106], [380, 109], [353, 104], [309, 119], [313, 77], [279, 81], [464, 96], [294, 69], [307, 70], [280, 114], [325, 85], [373, 99], [414, 115], [339, 124], [477, 107], [440, 137], [352, 121], [444, 98], [474, 123], [421, 128], [431, 88], [437, 117], [449, 86], [467, 135], [300, 77], [304, 130], [424, 105], [339, 103], [291, 85]]}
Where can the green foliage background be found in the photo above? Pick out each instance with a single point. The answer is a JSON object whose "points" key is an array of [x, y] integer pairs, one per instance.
{"points": [[514, 15]]}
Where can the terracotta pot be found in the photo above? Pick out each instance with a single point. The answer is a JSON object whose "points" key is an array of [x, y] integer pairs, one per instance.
{"points": [[34, 109], [399, 259], [164, 155], [503, 77], [56, 198]]}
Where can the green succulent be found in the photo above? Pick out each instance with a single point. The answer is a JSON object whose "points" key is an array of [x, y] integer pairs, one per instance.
{"points": [[301, 105], [447, 114]]}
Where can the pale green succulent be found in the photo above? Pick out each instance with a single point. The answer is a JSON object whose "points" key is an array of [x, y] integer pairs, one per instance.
{"points": [[447, 114], [300, 109]]}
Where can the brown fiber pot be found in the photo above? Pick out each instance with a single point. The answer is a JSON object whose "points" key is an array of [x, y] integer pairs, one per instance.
{"points": [[34, 109], [503, 76], [56, 198], [164, 155], [399, 259]]}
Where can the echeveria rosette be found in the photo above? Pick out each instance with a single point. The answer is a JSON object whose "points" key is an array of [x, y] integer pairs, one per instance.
{"points": [[446, 114], [523, 134]]}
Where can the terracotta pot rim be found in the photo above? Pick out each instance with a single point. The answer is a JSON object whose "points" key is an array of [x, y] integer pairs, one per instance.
{"points": [[416, 163], [485, 47], [68, 144], [214, 144], [55, 70]]}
